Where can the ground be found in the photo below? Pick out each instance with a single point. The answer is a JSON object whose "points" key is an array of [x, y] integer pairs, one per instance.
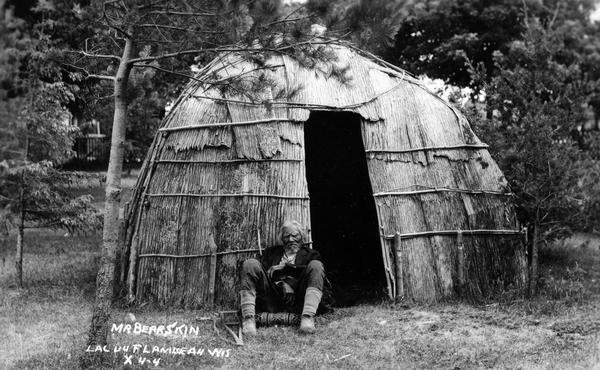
{"points": [[44, 325]]}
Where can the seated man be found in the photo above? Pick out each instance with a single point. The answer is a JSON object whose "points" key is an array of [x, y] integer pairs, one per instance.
{"points": [[288, 278]]}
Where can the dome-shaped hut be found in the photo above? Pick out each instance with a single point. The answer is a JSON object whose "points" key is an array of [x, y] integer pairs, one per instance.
{"points": [[390, 180]]}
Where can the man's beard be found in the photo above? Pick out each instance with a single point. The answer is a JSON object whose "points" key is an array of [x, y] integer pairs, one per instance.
{"points": [[292, 247]]}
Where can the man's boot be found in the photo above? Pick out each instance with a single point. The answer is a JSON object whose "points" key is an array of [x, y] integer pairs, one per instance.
{"points": [[312, 298], [248, 303]]}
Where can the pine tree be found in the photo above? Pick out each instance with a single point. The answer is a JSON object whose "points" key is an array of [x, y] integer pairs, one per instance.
{"points": [[169, 37]]}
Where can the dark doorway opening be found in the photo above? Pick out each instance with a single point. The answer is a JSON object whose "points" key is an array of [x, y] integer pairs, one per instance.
{"points": [[343, 215]]}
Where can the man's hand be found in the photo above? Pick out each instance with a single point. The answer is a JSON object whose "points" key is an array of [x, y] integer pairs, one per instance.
{"points": [[272, 269], [288, 294]]}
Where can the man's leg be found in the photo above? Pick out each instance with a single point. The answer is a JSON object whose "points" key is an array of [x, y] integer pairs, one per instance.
{"points": [[313, 278], [255, 286], [248, 295]]}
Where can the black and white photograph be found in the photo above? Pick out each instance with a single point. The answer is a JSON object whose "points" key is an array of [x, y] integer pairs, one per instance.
{"points": [[300, 184]]}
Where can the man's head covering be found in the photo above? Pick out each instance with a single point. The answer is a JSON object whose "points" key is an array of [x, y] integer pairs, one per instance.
{"points": [[293, 224]]}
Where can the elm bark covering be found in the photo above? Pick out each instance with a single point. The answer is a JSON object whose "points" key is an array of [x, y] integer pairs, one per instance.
{"points": [[174, 213]]}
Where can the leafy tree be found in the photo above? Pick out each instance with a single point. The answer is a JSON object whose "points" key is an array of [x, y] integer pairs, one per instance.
{"points": [[436, 36], [35, 138], [536, 97]]}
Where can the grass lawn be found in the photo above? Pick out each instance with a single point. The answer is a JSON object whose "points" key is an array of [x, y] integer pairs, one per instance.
{"points": [[44, 325]]}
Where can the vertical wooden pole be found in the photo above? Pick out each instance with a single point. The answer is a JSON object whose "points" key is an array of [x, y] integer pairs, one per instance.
{"points": [[141, 204], [21, 229], [212, 277], [399, 267], [533, 272], [461, 261], [384, 252], [258, 237], [120, 246], [133, 252], [19, 252], [123, 241], [258, 233], [308, 225]]}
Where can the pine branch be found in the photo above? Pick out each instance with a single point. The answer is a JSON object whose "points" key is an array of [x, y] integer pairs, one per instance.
{"points": [[156, 25], [270, 67], [311, 42], [175, 73], [90, 55], [175, 28], [287, 21], [87, 74], [180, 53], [100, 77], [224, 81], [109, 2], [188, 14], [109, 23], [124, 5], [165, 41], [103, 97], [301, 7]]}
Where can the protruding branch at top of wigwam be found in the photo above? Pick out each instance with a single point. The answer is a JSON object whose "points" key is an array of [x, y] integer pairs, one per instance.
{"points": [[255, 64]]}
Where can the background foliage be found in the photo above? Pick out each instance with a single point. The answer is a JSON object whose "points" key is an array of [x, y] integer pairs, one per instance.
{"points": [[36, 134], [537, 98], [533, 67]]}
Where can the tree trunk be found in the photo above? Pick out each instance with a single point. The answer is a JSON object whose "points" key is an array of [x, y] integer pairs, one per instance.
{"points": [[110, 236], [533, 269], [19, 254]]}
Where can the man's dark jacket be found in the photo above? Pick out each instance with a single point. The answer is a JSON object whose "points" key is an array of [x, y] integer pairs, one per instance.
{"points": [[272, 256]]}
